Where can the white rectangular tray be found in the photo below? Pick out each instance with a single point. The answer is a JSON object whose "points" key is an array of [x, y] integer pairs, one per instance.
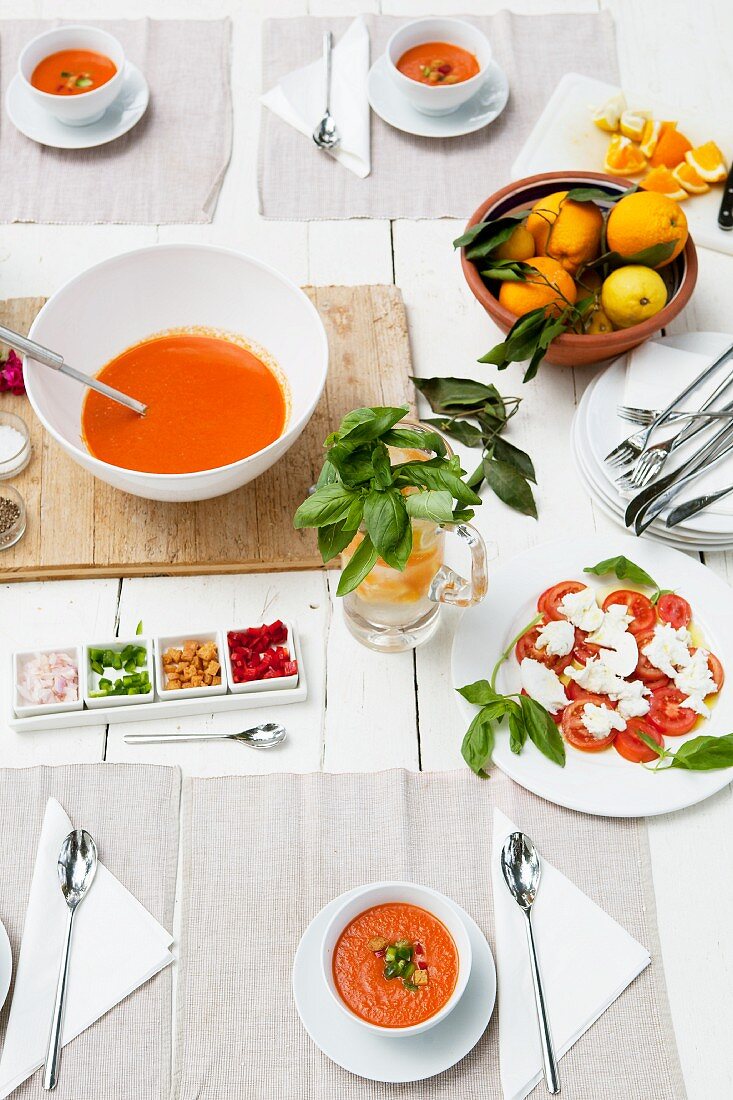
{"points": [[173, 708]]}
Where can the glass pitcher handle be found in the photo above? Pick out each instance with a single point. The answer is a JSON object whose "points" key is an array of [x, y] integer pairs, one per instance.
{"points": [[448, 587]]}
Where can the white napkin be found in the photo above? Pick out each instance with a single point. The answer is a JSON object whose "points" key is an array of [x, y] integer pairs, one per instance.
{"points": [[116, 947], [655, 374], [299, 98], [586, 961]]}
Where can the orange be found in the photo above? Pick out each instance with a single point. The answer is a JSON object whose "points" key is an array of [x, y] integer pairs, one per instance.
{"points": [[518, 246], [690, 180], [670, 148], [664, 181], [707, 160], [624, 157], [568, 231], [552, 288], [644, 219], [650, 136]]}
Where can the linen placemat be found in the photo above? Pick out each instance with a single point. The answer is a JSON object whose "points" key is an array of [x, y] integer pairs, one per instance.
{"points": [[415, 177], [169, 168], [132, 811], [273, 850]]}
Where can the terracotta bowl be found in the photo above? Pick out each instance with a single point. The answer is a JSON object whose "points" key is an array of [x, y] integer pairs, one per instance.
{"points": [[571, 350]]}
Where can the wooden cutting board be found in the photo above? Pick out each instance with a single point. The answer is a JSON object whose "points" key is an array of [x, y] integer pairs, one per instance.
{"points": [[80, 527]]}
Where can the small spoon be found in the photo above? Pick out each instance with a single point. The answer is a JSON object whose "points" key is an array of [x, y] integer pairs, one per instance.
{"points": [[520, 865], [326, 135], [77, 866], [259, 737]]}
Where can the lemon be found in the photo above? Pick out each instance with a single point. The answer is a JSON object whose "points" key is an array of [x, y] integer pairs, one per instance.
{"points": [[519, 246], [608, 116], [632, 294], [598, 323]]}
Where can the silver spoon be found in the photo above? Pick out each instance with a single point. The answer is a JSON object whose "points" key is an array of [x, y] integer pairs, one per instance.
{"points": [[77, 865], [259, 737], [52, 359], [520, 865], [326, 135]]}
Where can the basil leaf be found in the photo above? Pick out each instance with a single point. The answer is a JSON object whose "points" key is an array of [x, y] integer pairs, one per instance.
{"points": [[409, 437], [362, 562], [365, 425], [334, 538], [478, 744], [506, 452], [510, 486], [382, 466], [704, 754], [517, 730], [328, 474], [447, 395], [624, 570], [328, 504], [354, 464], [431, 477], [480, 693], [462, 430], [387, 524], [463, 515], [542, 731], [432, 504]]}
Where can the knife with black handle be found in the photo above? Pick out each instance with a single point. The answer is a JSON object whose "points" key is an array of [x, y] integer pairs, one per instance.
{"points": [[725, 214]]}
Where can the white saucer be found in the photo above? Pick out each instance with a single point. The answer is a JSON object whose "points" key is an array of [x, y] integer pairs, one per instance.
{"points": [[391, 1059], [6, 964], [40, 126], [486, 105]]}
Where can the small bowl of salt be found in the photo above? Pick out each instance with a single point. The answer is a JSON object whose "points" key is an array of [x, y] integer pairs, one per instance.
{"points": [[15, 445]]}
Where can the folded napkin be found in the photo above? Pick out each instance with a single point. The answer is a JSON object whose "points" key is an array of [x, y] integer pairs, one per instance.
{"points": [[655, 374], [299, 98], [586, 961], [116, 947]]}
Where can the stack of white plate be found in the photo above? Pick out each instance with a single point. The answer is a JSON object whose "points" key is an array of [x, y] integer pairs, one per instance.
{"points": [[597, 430]]}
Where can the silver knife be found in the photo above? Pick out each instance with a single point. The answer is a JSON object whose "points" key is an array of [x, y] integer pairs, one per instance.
{"points": [[697, 504], [652, 510], [725, 214]]}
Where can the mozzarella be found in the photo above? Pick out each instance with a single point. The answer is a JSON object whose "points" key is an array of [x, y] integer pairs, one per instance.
{"points": [[581, 609], [543, 685], [668, 650], [557, 637], [600, 720], [631, 701], [613, 628], [597, 677], [623, 658], [695, 680]]}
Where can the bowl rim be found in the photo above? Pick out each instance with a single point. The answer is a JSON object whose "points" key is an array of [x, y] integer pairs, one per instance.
{"points": [[606, 340], [194, 476], [54, 97], [359, 894], [407, 82]]}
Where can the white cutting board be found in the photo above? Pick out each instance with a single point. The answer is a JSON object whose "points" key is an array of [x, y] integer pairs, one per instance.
{"points": [[565, 137]]}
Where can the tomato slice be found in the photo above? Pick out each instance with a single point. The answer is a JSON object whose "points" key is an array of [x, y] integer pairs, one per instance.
{"points": [[574, 730], [527, 647], [673, 609], [549, 601], [652, 676], [667, 714], [583, 650], [631, 747], [640, 608], [575, 691]]}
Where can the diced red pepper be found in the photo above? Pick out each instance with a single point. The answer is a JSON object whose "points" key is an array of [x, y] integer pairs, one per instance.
{"points": [[260, 653]]}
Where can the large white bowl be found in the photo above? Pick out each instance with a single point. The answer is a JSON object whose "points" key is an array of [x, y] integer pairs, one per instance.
{"points": [[121, 301]]}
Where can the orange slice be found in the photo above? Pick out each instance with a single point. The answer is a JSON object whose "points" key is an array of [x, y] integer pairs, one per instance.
{"points": [[707, 160], [632, 123], [670, 148], [690, 180], [624, 157], [661, 180], [608, 116], [650, 136]]}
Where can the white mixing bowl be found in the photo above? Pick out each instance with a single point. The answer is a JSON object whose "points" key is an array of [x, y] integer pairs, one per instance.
{"points": [[121, 301]]}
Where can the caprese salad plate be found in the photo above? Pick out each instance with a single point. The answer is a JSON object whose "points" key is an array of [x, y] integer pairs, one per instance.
{"points": [[593, 674]]}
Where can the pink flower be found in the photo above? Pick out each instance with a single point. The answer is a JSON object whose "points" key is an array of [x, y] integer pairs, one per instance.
{"points": [[11, 375]]}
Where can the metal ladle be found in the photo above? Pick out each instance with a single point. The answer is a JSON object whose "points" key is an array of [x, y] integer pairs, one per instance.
{"points": [[52, 359]]}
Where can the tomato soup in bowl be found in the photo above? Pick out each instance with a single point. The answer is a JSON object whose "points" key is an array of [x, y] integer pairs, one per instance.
{"points": [[438, 64], [74, 72], [396, 957]]}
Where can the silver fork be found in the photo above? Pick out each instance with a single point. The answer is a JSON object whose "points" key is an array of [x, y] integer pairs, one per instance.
{"points": [[644, 417], [653, 457], [629, 449]]}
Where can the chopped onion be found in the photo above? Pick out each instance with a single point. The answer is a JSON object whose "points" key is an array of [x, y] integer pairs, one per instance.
{"points": [[47, 678]]}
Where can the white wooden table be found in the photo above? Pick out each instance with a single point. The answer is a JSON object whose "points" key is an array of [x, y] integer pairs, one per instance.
{"points": [[368, 711]]}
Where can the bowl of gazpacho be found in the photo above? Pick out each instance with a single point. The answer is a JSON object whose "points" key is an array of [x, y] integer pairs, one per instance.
{"points": [[396, 957], [74, 72], [229, 356], [438, 64]]}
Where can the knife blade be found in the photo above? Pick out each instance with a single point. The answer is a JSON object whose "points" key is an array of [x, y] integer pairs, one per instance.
{"points": [[725, 214], [690, 508]]}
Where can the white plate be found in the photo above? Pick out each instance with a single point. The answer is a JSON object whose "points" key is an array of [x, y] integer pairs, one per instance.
{"points": [[595, 783], [6, 964], [566, 138], [41, 126], [486, 105], [392, 1059]]}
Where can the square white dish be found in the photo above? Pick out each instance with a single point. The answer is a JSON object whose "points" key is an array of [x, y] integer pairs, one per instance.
{"points": [[92, 678], [30, 710], [282, 682], [177, 641]]}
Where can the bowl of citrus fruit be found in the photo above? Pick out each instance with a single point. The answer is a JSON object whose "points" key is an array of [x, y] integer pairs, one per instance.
{"points": [[577, 267]]}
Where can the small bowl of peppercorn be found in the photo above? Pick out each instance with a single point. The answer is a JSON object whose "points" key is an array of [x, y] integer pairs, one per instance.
{"points": [[12, 517]]}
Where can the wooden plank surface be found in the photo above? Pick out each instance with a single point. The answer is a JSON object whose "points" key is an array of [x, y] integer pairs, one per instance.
{"points": [[115, 534]]}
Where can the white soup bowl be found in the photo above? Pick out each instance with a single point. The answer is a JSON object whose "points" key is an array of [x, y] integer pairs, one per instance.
{"points": [[88, 107], [438, 99]]}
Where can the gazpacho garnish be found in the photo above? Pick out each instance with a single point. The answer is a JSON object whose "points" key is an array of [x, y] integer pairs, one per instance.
{"points": [[47, 678], [260, 653], [194, 664], [438, 63], [131, 660]]}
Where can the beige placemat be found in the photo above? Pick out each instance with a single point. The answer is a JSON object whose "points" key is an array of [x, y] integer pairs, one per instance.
{"points": [[414, 177], [272, 850], [129, 810], [168, 168]]}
